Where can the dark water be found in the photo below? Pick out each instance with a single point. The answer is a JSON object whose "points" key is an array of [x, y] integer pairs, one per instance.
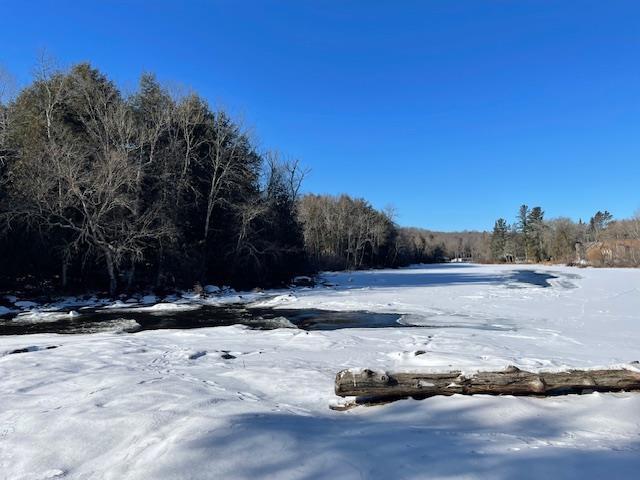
{"points": [[538, 279], [99, 320], [96, 320]]}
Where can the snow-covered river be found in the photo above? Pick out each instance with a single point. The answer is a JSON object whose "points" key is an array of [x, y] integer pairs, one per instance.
{"points": [[240, 402], [134, 317]]}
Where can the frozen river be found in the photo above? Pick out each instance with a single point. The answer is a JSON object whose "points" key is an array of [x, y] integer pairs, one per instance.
{"points": [[241, 402]]}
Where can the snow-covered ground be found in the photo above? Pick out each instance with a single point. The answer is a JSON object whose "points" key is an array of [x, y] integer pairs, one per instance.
{"points": [[231, 402]]}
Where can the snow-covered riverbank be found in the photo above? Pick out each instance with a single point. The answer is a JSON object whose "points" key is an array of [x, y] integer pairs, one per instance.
{"points": [[239, 403]]}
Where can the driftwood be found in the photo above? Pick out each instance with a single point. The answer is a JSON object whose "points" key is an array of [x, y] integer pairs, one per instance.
{"points": [[371, 387]]}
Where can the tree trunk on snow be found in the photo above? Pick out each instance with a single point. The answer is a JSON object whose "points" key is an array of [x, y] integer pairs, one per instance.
{"points": [[373, 386]]}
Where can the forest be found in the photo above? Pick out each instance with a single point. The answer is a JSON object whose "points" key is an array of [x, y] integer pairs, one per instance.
{"points": [[156, 189], [99, 189]]}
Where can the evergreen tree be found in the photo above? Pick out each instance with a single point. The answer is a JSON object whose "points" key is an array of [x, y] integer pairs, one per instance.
{"points": [[499, 239], [535, 236], [522, 225], [598, 223]]}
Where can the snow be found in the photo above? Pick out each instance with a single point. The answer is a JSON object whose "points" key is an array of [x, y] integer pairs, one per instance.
{"points": [[275, 301], [25, 304], [163, 307], [278, 322], [147, 299], [239, 403], [117, 304], [36, 316], [211, 289], [191, 295]]}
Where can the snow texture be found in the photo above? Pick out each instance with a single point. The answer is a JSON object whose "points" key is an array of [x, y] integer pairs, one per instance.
{"points": [[231, 402]]}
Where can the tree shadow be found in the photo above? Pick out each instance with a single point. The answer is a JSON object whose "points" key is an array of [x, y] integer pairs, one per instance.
{"points": [[444, 275], [452, 440]]}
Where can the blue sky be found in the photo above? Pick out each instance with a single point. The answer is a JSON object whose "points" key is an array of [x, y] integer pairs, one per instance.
{"points": [[456, 112]]}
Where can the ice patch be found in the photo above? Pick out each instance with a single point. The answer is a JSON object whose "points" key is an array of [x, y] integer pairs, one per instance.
{"points": [[149, 299], [275, 301], [191, 295], [451, 321], [36, 316], [168, 307], [158, 307], [119, 325], [302, 281], [117, 304], [25, 304], [273, 323]]}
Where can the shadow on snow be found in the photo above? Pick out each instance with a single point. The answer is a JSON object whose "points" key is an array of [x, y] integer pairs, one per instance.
{"points": [[452, 440]]}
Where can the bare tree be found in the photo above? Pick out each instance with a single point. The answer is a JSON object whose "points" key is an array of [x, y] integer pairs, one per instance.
{"points": [[224, 163], [7, 91]]}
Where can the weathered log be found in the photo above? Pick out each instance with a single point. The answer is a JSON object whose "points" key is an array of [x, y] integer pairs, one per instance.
{"points": [[375, 387]]}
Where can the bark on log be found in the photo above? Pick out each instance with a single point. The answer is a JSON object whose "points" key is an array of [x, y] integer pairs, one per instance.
{"points": [[375, 387]]}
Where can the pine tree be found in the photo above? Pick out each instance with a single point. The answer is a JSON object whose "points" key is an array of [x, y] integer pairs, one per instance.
{"points": [[522, 227], [599, 222], [535, 237], [499, 239]]}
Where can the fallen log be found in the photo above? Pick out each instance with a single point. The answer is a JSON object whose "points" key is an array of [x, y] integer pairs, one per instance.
{"points": [[371, 387]]}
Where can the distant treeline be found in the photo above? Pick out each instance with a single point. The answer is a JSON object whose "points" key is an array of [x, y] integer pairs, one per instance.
{"points": [[602, 241], [346, 233], [158, 190]]}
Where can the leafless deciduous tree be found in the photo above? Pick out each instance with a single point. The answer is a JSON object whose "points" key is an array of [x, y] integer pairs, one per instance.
{"points": [[341, 232], [143, 186]]}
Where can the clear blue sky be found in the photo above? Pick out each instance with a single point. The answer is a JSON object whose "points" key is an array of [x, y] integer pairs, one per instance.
{"points": [[456, 112]]}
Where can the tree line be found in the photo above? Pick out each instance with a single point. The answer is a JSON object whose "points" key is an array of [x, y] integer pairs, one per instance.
{"points": [[600, 241], [345, 233], [150, 188], [153, 189]]}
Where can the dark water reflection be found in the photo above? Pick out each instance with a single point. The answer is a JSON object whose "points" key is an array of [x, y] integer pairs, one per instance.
{"points": [[96, 320]]}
